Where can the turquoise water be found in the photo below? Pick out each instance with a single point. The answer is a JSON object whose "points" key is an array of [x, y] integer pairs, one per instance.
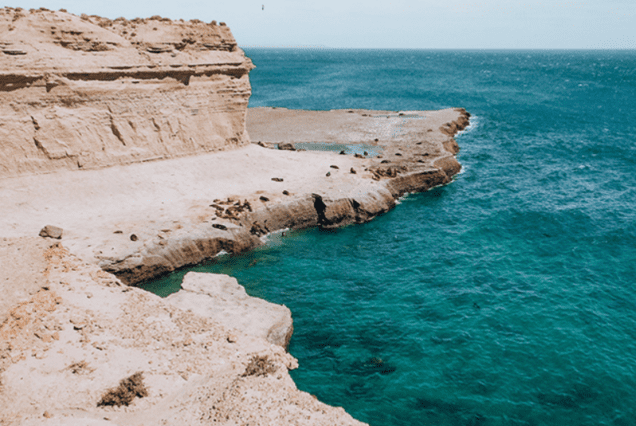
{"points": [[505, 298]]}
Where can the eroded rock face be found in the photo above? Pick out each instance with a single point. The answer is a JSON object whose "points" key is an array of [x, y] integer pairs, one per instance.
{"points": [[221, 298], [67, 344], [87, 92]]}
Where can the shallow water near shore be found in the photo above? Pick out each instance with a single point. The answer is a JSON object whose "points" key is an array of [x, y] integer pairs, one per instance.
{"points": [[349, 149], [505, 298]]}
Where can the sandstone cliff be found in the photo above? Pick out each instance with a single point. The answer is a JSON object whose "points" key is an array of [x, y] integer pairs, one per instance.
{"points": [[88, 92]]}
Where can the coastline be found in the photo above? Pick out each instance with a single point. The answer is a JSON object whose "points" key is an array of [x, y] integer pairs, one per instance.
{"points": [[88, 316], [140, 163], [334, 207]]}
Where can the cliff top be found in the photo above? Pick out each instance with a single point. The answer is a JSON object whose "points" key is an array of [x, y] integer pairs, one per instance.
{"points": [[43, 40]]}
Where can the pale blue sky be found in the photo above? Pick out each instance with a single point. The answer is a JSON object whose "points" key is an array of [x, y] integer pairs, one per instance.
{"points": [[428, 24]]}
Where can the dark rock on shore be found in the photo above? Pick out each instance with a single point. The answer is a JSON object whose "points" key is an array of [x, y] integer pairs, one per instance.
{"points": [[286, 147], [50, 231]]}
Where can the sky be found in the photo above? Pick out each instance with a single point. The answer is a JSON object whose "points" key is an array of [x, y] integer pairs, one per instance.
{"points": [[412, 24]]}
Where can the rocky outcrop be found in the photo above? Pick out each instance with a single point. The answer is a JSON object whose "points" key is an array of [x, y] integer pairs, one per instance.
{"points": [[222, 299], [195, 245], [88, 92], [68, 343], [50, 231], [423, 162]]}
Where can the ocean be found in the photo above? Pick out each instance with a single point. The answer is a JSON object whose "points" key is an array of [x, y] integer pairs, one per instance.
{"points": [[507, 297]]}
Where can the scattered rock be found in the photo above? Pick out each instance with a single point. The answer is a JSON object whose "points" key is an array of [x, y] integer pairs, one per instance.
{"points": [[376, 140], [47, 415], [419, 143], [219, 226], [50, 231], [263, 198], [78, 323], [258, 229], [358, 156], [261, 144], [328, 174], [391, 171], [342, 152], [285, 192], [231, 338], [128, 389], [260, 365], [366, 153], [334, 167], [384, 161], [14, 52], [234, 210], [118, 232], [398, 154], [81, 367], [353, 171], [286, 147], [133, 237], [277, 179]]}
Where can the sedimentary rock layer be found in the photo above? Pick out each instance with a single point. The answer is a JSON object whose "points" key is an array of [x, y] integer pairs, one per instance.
{"points": [[87, 92]]}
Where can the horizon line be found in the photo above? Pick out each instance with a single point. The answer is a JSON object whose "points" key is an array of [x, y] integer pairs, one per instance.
{"points": [[320, 47]]}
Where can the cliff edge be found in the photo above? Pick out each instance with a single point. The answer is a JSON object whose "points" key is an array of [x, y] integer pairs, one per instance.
{"points": [[88, 92]]}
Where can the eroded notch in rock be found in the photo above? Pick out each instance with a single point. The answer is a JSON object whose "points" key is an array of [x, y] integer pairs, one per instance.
{"points": [[320, 207]]}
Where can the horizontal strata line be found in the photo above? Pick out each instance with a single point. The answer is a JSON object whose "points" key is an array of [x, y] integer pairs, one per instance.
{"points": [[115, 74]]}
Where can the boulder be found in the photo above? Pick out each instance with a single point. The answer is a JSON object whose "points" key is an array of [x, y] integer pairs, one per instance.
{"points": [[286, 146], [50, 231]]}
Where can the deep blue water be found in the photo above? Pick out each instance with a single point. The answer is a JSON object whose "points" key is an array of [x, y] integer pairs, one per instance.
{"points": [[505, 298]]}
